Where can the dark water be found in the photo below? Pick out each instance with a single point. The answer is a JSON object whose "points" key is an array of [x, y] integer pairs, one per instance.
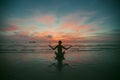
{"points": [[35, 61]]}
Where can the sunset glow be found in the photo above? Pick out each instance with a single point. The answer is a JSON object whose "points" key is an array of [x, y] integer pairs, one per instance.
{"points": [[58, 20]]}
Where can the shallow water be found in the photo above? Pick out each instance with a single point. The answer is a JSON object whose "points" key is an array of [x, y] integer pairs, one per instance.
{"points": [[84, 61]]}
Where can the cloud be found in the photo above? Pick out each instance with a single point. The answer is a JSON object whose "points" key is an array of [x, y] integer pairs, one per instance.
{"points": [[69, 25], [83, 27], [24, 33], [46, 20], [77, 21], [78, 16], [49, 36], [75, 26], [81, 22], [12, 27]]}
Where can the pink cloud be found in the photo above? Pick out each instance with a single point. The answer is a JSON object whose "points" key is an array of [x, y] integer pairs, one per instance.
{"points": [[24, 33], [69, 25], [47, 20], [83, 27], [12, 27], [75, 22], [75, 26]]}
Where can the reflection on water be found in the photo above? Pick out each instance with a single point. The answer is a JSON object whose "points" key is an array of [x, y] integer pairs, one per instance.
{"points": [[59, 64], [82, 62]]}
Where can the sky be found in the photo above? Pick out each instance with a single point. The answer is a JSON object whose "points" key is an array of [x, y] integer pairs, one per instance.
{"points": [[60, 19]]}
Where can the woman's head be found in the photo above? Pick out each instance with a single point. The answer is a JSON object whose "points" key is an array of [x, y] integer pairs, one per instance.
{"points": [[59, 42]]}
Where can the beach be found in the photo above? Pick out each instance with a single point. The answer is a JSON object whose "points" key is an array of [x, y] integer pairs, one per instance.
{"points": [[86, 61]]}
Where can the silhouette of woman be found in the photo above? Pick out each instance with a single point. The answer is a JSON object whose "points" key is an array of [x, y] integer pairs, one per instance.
{"points": [[59, 49]]}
